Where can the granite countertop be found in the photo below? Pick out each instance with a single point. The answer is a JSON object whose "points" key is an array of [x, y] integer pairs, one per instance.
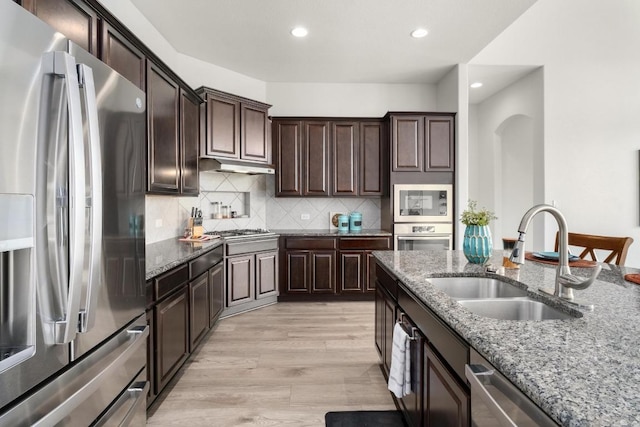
{"points": [[581, 371], [164, 255], [333, 233]]}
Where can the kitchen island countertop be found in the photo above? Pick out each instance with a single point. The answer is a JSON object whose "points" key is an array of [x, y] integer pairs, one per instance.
{"points": [[582, 371], [164, 255]]}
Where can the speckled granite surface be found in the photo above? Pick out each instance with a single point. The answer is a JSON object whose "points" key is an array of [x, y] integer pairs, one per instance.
{"points": [[164, 255], [332, 233], [582, 371]]}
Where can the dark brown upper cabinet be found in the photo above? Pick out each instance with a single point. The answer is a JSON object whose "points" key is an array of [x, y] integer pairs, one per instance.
{"points": [[122, 55], [76, 20], [439, 144], [407, 139], [189, 143], [287, 137], [236, 127], [315, 144], [163, 149], [320, 157], [344, 150], [373, 159], [422, 142]]}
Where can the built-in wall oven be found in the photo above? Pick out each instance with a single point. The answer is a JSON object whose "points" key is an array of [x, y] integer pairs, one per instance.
{"points": [[420, 237], [422, 216]]}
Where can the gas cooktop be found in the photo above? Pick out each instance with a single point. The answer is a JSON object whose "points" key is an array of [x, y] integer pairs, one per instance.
{"points": [[240, 233]]}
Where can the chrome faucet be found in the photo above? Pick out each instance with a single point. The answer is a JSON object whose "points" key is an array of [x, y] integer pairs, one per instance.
{"points": [[565, 282]]}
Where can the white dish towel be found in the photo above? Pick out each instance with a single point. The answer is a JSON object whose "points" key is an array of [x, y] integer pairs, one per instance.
{"points": [[400, 370]]}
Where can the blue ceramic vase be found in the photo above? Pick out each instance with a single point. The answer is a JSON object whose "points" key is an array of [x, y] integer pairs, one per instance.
{"points": [[477, 244]]}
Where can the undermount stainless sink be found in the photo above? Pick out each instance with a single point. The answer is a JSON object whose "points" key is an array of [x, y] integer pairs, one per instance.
{"points": [[476, 287], [514, 309]]}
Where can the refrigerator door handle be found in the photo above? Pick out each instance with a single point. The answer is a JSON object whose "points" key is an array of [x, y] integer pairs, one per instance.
{"points": [[63, 65], [94, 199]]}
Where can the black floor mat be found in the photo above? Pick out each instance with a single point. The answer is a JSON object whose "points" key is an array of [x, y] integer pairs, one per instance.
{"points": [[364, 419]]}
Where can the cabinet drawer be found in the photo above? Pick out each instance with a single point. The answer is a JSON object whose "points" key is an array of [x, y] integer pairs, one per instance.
{"points": [[371, 243], [251, 246], [310, 243], [171, 280], [387, 281], [442, 338], [205, 262]]}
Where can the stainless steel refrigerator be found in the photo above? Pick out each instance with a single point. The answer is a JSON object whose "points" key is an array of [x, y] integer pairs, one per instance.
{"points": [[72, 181]]}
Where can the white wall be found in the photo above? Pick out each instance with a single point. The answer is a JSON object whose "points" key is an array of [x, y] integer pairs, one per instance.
{"points": [[193, 71], [591, 108], [348, 100], [506, 156]]}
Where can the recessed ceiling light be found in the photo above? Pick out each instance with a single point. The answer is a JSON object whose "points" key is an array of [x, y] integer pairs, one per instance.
{"points": [[419, 33], [475, 85], [299, 32]]}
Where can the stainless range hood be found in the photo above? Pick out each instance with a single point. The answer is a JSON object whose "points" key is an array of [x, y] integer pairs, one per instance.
{"points": [[220, 164]]}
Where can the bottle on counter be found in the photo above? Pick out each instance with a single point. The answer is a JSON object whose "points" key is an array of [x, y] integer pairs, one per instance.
{"points": [[343, 223], [225, 211], [508, 245], [355, 222]]}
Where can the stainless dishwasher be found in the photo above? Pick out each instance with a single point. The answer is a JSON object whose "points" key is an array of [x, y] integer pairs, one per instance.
{"points": [[497, 402]]}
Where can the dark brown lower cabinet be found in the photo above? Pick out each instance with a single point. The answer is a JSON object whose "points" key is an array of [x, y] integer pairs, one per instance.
{"points": [[183, 305], [412, 404], [352, 271], [216, 293], [172, 335], [199, 312], [446, 402], [440, 395]]}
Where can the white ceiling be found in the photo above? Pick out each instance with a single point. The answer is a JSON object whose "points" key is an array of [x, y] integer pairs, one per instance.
{"points": [[349, 41]]}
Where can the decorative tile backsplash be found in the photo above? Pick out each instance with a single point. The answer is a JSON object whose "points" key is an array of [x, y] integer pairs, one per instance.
{"points": [[252, 195]]}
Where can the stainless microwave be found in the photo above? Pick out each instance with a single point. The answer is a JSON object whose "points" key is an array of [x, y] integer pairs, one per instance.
{"points": [[423, 203]]}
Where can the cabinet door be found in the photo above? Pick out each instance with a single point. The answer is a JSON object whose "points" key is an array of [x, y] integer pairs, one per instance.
{"points": [[121, 55], [172, 336], [370, 271], [446, 403], [316, 159], [297, 272], [351, 272], [288, 153], [223, 127], [240, 280], [216, 293], [411, 404], [439, 144], [255, 144], [162, 131], [76, 20], [323, 272], [189, 143], [344, 152], [407, 138], [372, 165], [379, 322], [151, 395], [389, 322], [199, 309], [266, 274]]}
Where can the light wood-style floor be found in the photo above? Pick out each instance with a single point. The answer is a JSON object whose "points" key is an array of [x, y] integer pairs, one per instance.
{"points": [[283, 365]]}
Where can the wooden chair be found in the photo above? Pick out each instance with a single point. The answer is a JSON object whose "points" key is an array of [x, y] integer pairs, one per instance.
{"points": [[617, 245]]}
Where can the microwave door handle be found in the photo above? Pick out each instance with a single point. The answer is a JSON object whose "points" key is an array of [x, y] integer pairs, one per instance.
{"points": [[67, 285], [472, 373], [93, 203]]}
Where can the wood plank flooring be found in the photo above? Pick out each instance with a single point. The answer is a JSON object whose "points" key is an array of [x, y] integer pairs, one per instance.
{"points": [[283, 365]]}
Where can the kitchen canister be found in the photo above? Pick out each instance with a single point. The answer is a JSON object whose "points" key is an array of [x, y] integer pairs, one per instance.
{"points": [[355, 221], [343, 223]]}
